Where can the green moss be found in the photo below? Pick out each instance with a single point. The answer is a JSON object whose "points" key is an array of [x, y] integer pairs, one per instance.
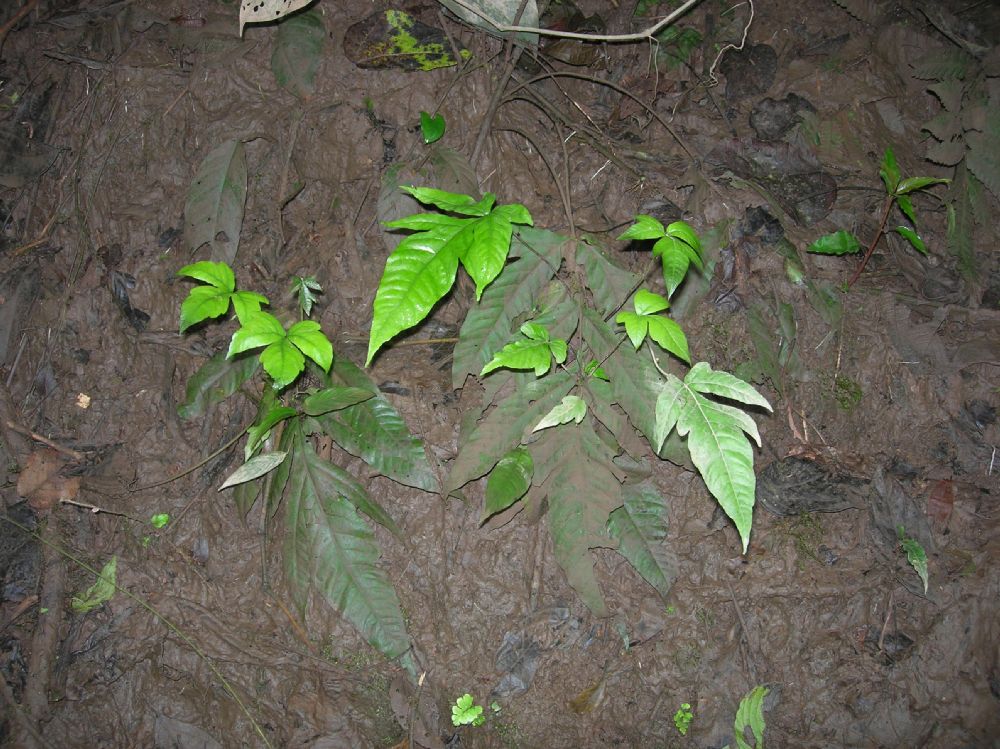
{"points": [[847, 392]]}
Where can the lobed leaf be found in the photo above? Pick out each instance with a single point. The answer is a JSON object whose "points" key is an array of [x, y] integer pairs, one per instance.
{"points": [[505, 427], [609, 284]]}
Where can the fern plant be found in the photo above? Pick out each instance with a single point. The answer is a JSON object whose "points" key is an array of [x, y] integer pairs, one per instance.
{"points": [[965, 135], [565, 389], [328, 548]]}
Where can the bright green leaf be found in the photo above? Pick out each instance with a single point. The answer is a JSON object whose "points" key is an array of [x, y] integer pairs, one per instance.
{"points": [[203, 303], [571, 408], [686, 234], [308, 338], [669, 336], [260, 329], [535, 353], [645, 227], [750, 714], [245, 303], [509, 480], [648, 303], [452, 202], [159, 520], [464, 712], [906, 206], [254, 469], [219, 275], [715, 436], [636, 326], [912, 184], [915, 555], [889, 172], [283, 361], [912, 237], [306, 288], [839, 243], [432, 128], [100, 592]]}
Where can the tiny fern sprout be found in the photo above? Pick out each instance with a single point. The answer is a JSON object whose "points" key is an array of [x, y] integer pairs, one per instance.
{"points": [[465, 712]]}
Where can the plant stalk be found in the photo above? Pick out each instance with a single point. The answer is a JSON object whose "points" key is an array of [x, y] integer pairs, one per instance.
{"points": [[878, 235]]}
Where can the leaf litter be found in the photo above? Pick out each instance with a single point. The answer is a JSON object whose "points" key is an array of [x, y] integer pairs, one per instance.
{"points": [[926, 433]]}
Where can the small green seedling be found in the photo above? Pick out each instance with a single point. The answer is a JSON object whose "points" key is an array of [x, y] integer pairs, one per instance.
{"points": [[495, 707], [898, 192], [306, 288], [100, 592], [465, 712], [284, 351], [159, 520], [683, 718], [915, 554], [431, 127]]}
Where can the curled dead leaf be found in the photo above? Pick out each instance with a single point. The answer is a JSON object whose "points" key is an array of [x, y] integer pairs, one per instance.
{"points": [[41, 484]]}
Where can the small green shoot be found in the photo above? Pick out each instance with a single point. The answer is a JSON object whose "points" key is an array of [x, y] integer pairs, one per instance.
{"points": [[915, 554], [495, 707], [306, 288], [159, 520], [98, 593], [431, 127], [683, 718], [646, 320], [537, 352], [465, 712], [898, 190]]}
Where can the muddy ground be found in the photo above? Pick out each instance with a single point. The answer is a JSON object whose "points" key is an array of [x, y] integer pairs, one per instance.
{"points": [[885, 397]]}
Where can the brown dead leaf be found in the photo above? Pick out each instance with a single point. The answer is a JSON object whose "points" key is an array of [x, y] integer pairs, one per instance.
{"points": [[940, 502], [41, 484]]}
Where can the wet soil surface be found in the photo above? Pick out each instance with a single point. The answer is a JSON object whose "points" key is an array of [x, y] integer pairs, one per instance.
{"points": [[885, 396]]}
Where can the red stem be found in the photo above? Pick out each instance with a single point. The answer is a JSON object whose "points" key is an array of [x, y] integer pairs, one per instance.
{"points": [[878, 235]]}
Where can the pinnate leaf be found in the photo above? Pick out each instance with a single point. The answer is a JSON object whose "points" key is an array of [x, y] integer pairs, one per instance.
{"points": [[329, 549], [716, 436]]}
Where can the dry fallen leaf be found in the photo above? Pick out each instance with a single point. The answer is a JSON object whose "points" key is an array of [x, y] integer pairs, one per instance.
{"points": [[41, 484]]}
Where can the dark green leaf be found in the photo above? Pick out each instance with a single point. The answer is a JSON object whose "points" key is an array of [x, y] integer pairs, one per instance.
{"points": [[509, 480], [213, 212], [889, 172], [259, 431], [216, 380], [334, 399], [912, 184], [329, 549], [375, 432], [640, 526], [298, 49], [912, 237]]}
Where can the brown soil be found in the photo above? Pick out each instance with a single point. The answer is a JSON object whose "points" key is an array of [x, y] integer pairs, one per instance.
{"points": [[895, 398]]}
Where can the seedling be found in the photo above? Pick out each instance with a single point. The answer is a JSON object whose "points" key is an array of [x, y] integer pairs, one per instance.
{"points": [[324, 502], [915, 554], [683, 718], [159, 520], [898, 192], [466, 713], [431, 127]]}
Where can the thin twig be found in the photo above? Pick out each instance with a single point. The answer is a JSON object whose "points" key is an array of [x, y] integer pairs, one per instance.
{"points": [[5, 29], [68, 451], [193, 468], [637, 36]]}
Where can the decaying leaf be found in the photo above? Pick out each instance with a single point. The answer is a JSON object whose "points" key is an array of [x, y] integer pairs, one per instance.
{"points": [[41, 484], [395, 39]]}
